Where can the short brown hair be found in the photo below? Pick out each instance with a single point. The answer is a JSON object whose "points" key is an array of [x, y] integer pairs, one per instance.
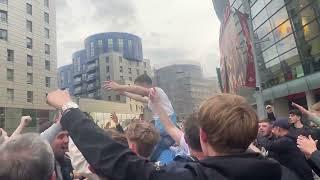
{"points": [[265, 121], [296, 112], [230, 123], [117, 136], [192, 133], [145, 137]]}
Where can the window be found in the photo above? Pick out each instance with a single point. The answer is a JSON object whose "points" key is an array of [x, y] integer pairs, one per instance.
{"points": [[29, 60], [46, 3], [120, 59], [29, 26], [46, 33], [129, 45], [3, 16], [29, 9], [10, 55], [46, 17], [100, 43], [136, 107], [47, 65], [108, 78], [121, 77], [145, 64], [29, 96], [138, 72], [121, 69], [29, 43], [120, 42], [3, 34], [29, 78], [10, 76], [3, 1], [118, 97], [48, 79], [107, 59], [109, 98], [107, 69], [10, 94], [130, 78], [46, 49], [92, 49], [138, 63], [130, 70], [110, 43]]}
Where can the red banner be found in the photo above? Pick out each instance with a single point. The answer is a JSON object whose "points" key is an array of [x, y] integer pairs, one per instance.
{"points": [[250, 74]]}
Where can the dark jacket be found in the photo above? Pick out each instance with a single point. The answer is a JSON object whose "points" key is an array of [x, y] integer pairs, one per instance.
{"points": [[285, 150], [295, 132], [314, 162], [271, 116], [115, 161]]}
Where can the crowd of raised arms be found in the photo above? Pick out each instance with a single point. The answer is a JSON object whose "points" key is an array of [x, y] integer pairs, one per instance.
{"points": [[223, 140]]}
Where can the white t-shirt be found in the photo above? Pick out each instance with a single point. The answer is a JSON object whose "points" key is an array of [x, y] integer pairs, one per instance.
{"points": [[165, 103]]}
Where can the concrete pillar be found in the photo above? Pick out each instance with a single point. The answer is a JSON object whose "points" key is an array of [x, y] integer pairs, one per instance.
{"points": [[311, 99], [281, 107]]}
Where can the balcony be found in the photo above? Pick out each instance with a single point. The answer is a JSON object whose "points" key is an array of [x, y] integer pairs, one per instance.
{"points": [[77, 81], [91, 67], [91, 77], [92, 86], [77, 91]]}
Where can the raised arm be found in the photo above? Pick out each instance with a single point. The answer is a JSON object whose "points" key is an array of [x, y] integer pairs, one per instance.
{"points": [[171, 129], [312, 116], [111, 85], [136, 97], [25, 120], [108, 158]]}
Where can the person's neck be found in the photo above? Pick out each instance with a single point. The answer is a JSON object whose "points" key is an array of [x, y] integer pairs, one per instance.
{"points": [[197, 154], [298, 125]]}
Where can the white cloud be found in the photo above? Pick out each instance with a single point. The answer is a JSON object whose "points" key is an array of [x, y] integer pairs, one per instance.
{"points": [[171, 30]]}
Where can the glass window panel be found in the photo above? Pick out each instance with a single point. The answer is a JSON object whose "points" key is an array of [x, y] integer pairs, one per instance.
{"points": [[279, 17], [3, 16], [311, 30], [270, 54], [286, 44], [260, 18], [264, 29], [3, 34], [257, 7], [274, 6]]}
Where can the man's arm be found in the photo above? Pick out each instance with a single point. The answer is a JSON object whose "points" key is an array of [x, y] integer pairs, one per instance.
{"points": [[171, 129], [111, 85], [136, 97], [107, 157], [25, 120]]}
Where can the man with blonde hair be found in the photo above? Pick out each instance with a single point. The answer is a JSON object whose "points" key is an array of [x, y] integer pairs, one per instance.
{"points": [[227, 124]]}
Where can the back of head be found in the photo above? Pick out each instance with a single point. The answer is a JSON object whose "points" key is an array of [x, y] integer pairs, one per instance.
{"points": [[144, 135], [26, 157], [115, 135], [144, 78], [192, 133], [230, 123]]}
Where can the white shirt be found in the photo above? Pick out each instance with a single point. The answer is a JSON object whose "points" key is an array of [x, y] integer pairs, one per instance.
{"points": [[165, 103]]}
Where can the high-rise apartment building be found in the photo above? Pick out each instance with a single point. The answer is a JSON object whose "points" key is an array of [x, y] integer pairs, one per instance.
{"points": [[107, 56], [27, 60]]}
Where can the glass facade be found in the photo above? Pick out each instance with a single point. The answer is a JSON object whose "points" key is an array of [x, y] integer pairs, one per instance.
{"points": [[287, 33]]}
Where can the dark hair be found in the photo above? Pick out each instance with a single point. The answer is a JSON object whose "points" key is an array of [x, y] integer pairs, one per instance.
{"points": [[296, 112], [144, 78], [192, 132]]}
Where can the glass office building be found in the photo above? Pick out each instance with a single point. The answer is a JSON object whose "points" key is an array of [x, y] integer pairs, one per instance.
{"points": [[287, 36]]}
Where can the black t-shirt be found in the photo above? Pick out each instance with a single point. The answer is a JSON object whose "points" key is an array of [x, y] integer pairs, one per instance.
{"points": [[295, 132]]}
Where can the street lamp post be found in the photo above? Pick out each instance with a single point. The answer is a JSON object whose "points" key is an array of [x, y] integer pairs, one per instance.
{"points": [[258, 90]]}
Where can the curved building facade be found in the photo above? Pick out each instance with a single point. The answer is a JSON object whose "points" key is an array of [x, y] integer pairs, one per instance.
{"points": [[287, 36], [129, 45]]}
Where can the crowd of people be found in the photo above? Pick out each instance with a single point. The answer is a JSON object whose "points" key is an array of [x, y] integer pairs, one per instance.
{"points": [[223, 140]]}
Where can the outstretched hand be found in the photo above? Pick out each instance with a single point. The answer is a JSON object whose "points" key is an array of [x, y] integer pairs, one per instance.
{"points": [[114, 118], [302, 109], [25, 121], [307, 145], [111, 85], [58, 98]]}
